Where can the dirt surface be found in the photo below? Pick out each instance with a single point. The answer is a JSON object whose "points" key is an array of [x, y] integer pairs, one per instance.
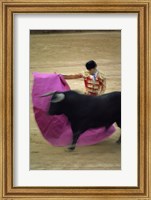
{"points": [[67, 53]]}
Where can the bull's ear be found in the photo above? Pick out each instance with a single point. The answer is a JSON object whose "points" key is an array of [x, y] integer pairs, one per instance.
{"points": [[58, 98]]}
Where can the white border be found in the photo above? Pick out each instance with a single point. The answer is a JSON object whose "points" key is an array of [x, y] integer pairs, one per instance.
{"points": [[127, 23]]}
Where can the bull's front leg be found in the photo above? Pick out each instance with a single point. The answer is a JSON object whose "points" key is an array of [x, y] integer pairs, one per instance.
{"points": [[74, 141], [77, 130]]}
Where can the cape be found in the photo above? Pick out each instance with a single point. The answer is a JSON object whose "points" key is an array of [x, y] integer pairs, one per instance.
{"points": [[56, 129]]}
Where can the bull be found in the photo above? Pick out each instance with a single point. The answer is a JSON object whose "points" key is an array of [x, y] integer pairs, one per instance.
{"points": [[85, 112]]}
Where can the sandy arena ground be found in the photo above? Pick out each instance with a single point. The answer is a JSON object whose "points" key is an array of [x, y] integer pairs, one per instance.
{"points": [[67, 53]]}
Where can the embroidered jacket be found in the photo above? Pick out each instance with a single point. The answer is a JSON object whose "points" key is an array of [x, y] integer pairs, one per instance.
{"points": [[94, 84]]}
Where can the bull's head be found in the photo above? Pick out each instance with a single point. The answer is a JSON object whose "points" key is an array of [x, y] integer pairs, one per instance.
{"points": [[56, 103]]}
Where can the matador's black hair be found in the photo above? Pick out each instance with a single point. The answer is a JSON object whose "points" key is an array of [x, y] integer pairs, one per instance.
{"points": [[90, 64]]}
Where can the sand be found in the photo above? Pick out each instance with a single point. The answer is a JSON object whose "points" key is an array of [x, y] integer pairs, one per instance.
{"points": [[67, 53]]}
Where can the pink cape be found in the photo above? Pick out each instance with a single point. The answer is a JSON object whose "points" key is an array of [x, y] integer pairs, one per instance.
{"points": [[56, 129]]}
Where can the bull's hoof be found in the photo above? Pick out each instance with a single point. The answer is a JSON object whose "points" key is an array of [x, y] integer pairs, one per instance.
{"points": [[71, 148], [118, 141]]}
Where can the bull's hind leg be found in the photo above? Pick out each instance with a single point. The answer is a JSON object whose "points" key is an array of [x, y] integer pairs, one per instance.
{"points": [[119, 140], [119, 125]]}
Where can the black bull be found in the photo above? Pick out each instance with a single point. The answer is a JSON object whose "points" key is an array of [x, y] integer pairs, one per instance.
{"points": [[85, 112]]}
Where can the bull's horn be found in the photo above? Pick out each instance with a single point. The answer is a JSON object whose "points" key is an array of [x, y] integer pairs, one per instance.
{"points": [[47, 94], [58, 98]]}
